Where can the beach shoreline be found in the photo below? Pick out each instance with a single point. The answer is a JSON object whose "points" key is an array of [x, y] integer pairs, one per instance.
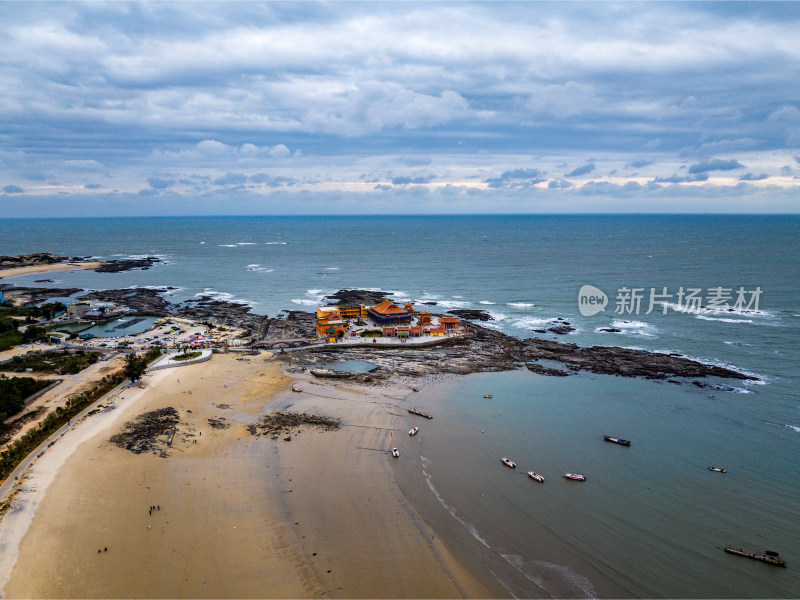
{"points": [[42, 269], [238, 515]]}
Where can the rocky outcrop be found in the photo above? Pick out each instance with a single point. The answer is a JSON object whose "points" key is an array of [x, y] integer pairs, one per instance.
{"points": [[32, 260], [365, 297], [471, 314], [31, 296], [117, 266]]}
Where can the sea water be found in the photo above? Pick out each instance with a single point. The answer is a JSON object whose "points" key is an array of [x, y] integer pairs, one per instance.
{"points": [[651, 519]]}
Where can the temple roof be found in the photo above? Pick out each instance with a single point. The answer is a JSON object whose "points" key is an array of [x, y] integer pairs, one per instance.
{"points": [[387, 307]]}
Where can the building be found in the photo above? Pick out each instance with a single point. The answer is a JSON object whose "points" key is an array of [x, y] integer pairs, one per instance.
{"points": [[331, 328], [449, 323], [387, 312], [328, 312], [353, 311], [76, 311], [424, 319]]}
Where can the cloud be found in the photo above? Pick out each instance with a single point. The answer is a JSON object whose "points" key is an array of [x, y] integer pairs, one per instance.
{"points": [[85, 165], [715, 164], [679, 179], [638, 164], [559, 184], [517, 178], [93, 186], [582, 170], [405, 180], [160, 184], [270, 181], [751, 177], [231, 179], [13, 189]]}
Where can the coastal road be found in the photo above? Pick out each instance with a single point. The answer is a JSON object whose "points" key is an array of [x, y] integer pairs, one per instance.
{"points": [[8, 485]]}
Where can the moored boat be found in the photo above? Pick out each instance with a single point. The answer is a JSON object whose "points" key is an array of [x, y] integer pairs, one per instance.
{"points": [[395, 452], [413, 431], [617, 440], [535, 476], [487, 395], [718, 469], [769, 557], [508, 462], [575, 476]]}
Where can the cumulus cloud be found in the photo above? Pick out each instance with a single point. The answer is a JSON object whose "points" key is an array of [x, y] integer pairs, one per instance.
{"points": [[406, 180], [638, 164], [679, 179], [715, 164], [231, 179], [751, 177], [13, 189], [559, 184], [160, 184], [93, 186], [582, 170], [517, 178]]}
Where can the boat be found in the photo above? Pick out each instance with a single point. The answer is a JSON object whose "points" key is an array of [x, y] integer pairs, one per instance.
{"points": [[769, 557], [508, 462], [718, 469], [617, 440], [414, 411], [575, 476], [413, 431], [395, 452], [296, 389], [487, 395], [535, 476]]}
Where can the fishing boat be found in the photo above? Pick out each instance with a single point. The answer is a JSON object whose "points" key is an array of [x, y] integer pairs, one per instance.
{"points": [[535, 476], [718, 469], [414, 411], [487, 395], [395, 452], [509, 463], [413, 431], [617, 440], [769, 557], [575, 476]]}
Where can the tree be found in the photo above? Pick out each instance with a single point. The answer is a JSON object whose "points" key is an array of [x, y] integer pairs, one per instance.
{"points": [[135, 366]]}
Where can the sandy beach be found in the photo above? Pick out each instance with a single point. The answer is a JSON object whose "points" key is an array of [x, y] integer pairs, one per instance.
{"points": [[240, 515], [41, 269]]}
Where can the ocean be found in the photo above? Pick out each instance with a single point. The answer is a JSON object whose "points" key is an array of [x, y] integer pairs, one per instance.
{"points": [[651, 518]]}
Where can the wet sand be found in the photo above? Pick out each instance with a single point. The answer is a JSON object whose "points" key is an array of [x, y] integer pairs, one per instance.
{"points": [[240, 516]]}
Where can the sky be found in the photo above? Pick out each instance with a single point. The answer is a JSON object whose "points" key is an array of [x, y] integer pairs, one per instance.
{"points": [[203, 108]]}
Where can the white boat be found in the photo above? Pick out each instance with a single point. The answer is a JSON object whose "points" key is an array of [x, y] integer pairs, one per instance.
{"points": [[395, 452], [535, 476], [508, 462], [413, 431], [487, 396], [575, 476]]}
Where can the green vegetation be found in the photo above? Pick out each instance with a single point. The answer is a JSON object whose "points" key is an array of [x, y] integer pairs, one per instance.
{"points": [[371, 333], [17, 451], [188, 356], [13, 392], [61, 363], [135, 366], [11, 336]]}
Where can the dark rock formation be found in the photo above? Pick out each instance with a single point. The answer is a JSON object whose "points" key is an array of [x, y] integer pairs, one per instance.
{"points": [[561, 328], [366, 297], [117, 266], [610, 330], [471, 314], [33, 296], [28, 260]]}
